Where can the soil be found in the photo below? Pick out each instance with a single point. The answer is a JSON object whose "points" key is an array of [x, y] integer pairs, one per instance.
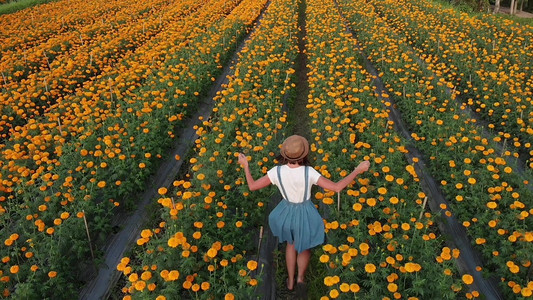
{"points": [[299, 114]]}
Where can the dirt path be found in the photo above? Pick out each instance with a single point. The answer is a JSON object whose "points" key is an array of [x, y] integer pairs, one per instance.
{"points": [[102, 285], [299, 114]]}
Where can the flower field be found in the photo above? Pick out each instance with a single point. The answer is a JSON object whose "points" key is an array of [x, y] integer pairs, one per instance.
{"points": [[91, 149], [486, 190], [379, 244], [93, 94], [214, 258], [486, 66]]}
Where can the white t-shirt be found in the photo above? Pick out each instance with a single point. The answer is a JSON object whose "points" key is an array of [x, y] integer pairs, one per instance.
{"points": [[294, 181]]}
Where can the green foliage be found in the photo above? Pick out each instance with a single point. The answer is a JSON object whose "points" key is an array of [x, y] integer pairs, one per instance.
{"points": [[467, 6], [14, 6]]}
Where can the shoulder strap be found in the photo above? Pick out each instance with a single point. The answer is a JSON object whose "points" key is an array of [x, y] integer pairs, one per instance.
{"points": [[281, 184], [306, 182]]}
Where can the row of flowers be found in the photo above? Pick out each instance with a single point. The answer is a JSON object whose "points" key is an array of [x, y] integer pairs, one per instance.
{"points": [[381, 242], [486, 65], [76, 163], [37, 78], [486, 194], [206, 245], [34, 26]]}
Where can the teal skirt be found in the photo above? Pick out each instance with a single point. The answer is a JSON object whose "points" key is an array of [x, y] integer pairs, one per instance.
{"points": [[297, 223]]}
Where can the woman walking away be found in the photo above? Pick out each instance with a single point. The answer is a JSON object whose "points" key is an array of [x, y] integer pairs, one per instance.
{"points": [[295, 219]]}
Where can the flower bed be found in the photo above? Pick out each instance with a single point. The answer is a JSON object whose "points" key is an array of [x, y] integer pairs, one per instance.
{"points": [[488, 196], [38, 78], [96, 148], [380, 243], [206, 245], [488, 66]]}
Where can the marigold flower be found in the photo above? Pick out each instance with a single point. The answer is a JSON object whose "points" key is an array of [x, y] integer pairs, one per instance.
{"points": [[252, 265], [467, 278], [162, 191], [354, 288], [229, 296], [370, 268], [212, 252], [173, 275], [344, 287], [14, 269]]}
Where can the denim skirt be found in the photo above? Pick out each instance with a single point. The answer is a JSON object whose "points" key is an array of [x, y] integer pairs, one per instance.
{"points": [[297, 223]]}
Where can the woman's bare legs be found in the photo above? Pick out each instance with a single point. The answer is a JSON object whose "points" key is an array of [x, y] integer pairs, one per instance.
{"points": [[292, 258], [303, 262]]}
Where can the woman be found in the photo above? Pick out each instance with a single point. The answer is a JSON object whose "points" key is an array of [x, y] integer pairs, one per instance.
{"points": [[296, 219]]}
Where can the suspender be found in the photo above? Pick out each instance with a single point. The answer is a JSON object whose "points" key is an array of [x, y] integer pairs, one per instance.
{"points": [[283, 188]]}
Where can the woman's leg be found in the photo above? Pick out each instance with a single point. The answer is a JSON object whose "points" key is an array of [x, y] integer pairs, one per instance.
{"points": [[290, 259], [303, 262]]}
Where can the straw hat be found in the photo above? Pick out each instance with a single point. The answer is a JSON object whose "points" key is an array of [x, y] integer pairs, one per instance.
{"points": [[295, 147]]}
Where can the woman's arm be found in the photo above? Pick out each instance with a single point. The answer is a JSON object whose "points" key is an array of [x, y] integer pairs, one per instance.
{"points": [[252, 184], [327, 184]]}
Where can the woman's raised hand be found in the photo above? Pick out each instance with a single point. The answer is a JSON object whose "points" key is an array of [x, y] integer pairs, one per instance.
{"points": [[243, 160], [363, 166]]}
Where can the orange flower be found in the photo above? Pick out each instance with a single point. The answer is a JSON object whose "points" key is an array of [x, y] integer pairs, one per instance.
{"points": [[173, 275], [382, 191], [252, 282], [212, 252], [252, 265], [14, 269], [392, 287], [468, 279], [370, 268], [229, 296], [162, 191]]}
